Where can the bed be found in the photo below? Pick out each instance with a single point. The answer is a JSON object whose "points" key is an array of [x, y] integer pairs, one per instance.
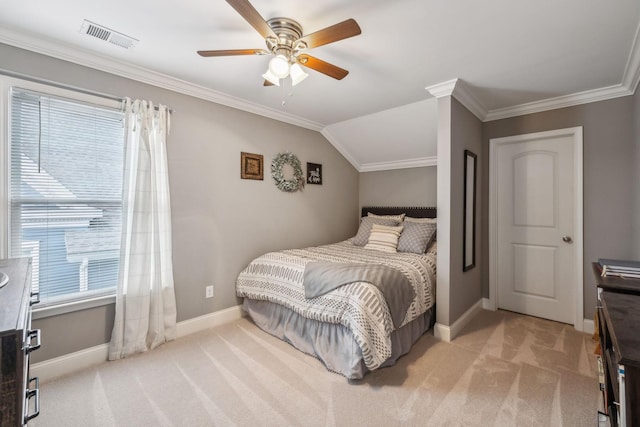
{"points": [[355, 306]]}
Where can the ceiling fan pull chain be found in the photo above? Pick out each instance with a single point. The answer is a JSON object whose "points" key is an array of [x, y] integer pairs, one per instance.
{"points": [[287, 91], [283, 90]]}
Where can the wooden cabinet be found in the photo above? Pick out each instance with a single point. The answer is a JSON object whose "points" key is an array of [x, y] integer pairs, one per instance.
{"points": [[19, 394], [619, 330]]}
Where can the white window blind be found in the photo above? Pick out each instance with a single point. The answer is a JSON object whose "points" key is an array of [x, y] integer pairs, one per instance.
{"points": [[65, 194]]}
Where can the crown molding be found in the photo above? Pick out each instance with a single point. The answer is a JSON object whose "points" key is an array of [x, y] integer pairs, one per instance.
{"points": [[440, 90], [144, 75], [628, 86], [459, 90], [400, 164], [372, 167], [632, 70], [586, 97], [463, 94], [336, 144]]}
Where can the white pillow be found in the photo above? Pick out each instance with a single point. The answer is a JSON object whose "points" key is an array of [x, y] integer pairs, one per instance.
{"points": [[422, 220], [398, 217], [384, 238]]}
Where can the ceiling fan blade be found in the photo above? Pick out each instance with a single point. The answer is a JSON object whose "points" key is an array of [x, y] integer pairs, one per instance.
{"points": [[232, 52], [251, 15], [322, 66], [267, 83], [340, 31]]}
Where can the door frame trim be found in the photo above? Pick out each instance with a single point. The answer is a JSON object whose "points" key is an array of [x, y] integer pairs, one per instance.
{"points": [[494, 143]]}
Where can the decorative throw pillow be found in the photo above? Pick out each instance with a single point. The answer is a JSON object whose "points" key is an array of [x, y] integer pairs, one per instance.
{"points": [[384, 238], [416, 236], [422, 220], [365, 228], [398, 217]]}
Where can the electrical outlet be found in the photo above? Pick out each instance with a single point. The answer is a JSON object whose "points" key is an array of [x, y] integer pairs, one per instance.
{"points": [[209, 291]]}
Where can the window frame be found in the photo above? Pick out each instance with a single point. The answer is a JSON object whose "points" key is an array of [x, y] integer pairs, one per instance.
{"points": [[6, 83]]}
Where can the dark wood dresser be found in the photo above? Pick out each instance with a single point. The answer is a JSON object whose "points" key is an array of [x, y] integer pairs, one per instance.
{"points": [[619, 330], [19, 394]]}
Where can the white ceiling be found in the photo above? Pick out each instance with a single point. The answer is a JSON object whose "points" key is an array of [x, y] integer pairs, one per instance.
{"points": [[514, 57]]}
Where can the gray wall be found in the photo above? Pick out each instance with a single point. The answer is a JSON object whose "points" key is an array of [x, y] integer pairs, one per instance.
{"points": [[465, 288], [399, 187], [220, 222], [457, 291], [610, 180]]}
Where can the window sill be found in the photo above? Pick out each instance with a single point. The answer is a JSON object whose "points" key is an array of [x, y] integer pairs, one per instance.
{"points": [[69, 307]]}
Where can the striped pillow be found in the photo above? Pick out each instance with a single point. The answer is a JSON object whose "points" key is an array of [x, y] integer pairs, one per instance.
{"points": [[364, 230], [384, 238]]}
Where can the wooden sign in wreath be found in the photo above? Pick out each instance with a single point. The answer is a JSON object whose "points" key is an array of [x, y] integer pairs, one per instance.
{"points": [[288, 185]]}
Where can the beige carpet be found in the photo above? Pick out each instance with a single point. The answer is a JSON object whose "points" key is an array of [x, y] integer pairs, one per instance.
{"points": [[504, 369]]}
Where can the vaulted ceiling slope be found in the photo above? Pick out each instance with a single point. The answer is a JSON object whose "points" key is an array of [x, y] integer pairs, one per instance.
{"points": [[513, 57]]}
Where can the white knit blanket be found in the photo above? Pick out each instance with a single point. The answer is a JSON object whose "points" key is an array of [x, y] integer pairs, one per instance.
{"points": [[278, 277]]}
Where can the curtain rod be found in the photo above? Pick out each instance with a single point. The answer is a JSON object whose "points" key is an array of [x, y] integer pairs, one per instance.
{"points": [[64, 86]]}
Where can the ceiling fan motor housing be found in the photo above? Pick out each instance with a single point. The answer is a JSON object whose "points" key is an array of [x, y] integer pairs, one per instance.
{"points": [[288, 32]]}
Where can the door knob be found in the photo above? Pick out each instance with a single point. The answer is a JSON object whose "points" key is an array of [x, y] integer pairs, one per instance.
{"points": [[567, 239]]}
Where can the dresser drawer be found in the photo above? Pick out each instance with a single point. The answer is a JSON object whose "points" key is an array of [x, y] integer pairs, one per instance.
{"points": [[18, 393]]}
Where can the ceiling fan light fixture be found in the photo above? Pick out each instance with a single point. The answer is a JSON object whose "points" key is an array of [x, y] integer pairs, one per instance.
{"points": [[297, 74], [285, 40], [279, 66], [271, 78]]}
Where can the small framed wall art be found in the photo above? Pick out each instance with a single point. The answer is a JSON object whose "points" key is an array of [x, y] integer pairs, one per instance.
{"points": [[314, 173], [251, 166]]}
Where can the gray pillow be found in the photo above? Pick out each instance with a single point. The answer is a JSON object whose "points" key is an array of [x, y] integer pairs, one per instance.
{"points": [[416, 237], [364, 231]]}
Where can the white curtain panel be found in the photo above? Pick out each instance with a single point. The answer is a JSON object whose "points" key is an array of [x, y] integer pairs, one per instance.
{"points": [[145, 298]]}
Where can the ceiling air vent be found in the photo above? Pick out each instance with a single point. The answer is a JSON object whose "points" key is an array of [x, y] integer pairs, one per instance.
{"points": [[103, 33]]}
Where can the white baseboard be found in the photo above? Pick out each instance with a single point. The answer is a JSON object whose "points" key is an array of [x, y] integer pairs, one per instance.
{"points": [[58, 366], [207, 321], [588, 326], [448, 333], [72, 362]]}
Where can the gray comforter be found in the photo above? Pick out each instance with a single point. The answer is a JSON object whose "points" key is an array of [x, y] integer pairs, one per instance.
{"points": [[323, 277], [278, 276]]}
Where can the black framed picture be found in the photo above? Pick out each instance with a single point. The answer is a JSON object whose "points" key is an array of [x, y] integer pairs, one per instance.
{"points": [[314, 173], [469, 211]]}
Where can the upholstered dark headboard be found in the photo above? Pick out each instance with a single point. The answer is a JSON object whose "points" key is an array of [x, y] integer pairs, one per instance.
{"points": [[415, 212]]}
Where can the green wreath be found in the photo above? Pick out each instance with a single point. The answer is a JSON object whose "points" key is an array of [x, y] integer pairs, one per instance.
{"points": [[288, 185]]}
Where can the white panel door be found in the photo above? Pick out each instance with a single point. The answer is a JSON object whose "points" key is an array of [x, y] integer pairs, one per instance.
{"points": [[534, 181]]}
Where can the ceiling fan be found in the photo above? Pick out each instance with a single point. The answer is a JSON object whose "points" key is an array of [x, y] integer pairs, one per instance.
{"points": [[285, 40]]}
